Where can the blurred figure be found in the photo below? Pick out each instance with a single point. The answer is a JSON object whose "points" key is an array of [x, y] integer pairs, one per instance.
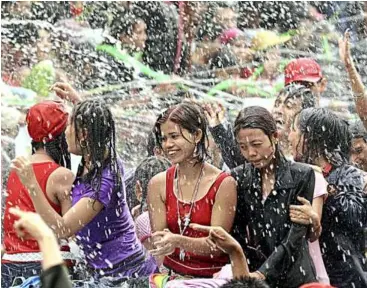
{"points": [[359, 145]]}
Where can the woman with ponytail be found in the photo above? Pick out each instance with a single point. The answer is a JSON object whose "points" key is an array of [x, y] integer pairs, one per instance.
{"points": [[50, 161]]}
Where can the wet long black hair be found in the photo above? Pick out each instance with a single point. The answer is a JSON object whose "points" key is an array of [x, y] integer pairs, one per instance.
{"points": [[145, 171], [300, 91], [189, 116], [57, 149], [256, 117], [95, 121], [324, 134]]}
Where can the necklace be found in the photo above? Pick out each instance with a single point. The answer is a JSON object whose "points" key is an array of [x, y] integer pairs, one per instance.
{"points": [[187, 218]]}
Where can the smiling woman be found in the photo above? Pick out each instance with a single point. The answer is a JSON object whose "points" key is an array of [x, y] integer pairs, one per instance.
{"points": [[191, 191]]}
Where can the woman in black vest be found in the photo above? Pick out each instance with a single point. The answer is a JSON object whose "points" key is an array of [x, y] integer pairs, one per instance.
{"points": [[268, 184]]}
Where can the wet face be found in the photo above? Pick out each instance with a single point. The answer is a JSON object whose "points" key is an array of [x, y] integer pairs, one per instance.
{"points": [[178, 144], [139, 36], [359, 153], [296, 140], [256, 147], [241, 48], [226, 18], [271, 60], [284, 110], [70, 135], [44, 45]]}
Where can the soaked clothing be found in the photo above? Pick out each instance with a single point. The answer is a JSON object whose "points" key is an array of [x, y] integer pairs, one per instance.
{"points": [[343, 220], [22, 257], [109, 241], [273, 244], [194, 265]]}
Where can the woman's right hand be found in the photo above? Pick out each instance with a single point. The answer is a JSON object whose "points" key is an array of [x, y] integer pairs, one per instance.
{"points": [[344, 49], [214, 113], [66, 92]]}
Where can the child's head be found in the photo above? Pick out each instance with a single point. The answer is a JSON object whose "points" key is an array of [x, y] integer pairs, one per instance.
{"points": [[245, 282], [130, 30], [146, 170]]}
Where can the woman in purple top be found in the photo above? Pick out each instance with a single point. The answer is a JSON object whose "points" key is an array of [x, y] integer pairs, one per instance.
{"points": [[100, 216]]}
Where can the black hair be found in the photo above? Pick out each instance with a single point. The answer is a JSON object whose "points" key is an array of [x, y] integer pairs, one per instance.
{"points": [[57, 149], [256, 117], [324, 134], [146, 170], [300, 91], [95, 121], [151, 143], [245, 282], [189, 116], [358, 130]]}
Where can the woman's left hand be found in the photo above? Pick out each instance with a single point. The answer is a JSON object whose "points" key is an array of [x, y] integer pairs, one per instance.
{"points": [[24, 169], [302, 214], [166, 244]]}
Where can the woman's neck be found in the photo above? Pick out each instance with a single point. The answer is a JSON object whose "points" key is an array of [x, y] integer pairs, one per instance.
{"points": [[41, 155], [268, 171], [189, 170]]}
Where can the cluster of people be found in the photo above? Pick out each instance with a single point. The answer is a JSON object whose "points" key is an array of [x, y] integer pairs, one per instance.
{"points": [[276, 197]]}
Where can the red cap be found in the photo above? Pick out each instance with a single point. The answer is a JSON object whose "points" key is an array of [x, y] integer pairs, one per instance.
{"points": [[316, 285], [46, 120], [302, 69]]}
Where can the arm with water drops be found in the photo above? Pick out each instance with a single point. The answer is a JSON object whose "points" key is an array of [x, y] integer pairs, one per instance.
{"points": [[359, 91], [66, 92], [74, 219]]}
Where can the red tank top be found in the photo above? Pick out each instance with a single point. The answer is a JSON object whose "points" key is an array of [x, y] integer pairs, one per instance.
{"points": [[194, 265], [19, 196]]}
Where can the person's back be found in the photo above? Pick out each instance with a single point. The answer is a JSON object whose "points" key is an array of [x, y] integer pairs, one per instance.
{"points": [[46, 124], [344, 217]]}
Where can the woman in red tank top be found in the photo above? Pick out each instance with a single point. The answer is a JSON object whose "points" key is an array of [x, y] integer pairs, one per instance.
{"points": [[192, 191], [47, 122]]}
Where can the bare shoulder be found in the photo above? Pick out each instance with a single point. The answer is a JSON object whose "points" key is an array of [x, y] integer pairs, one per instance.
{"points": [[62, 175], [158, 179]]}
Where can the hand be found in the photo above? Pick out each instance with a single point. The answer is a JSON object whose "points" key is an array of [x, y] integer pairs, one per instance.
{"points": [[24, 169], [32, 224], [66, 91], [257, 275], [165, 243], [303, 214], [219, 238], [214, 113], [344, 49]]}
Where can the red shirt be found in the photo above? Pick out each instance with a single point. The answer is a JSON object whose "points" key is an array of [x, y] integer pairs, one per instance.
{"points": [[195, 265], [19, 196]]}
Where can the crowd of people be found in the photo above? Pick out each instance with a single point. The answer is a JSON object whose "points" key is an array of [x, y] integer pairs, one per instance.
{"points": [[146, 165]]}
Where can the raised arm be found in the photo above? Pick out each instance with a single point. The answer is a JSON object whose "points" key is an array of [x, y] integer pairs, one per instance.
{"points": [[359, 91]]}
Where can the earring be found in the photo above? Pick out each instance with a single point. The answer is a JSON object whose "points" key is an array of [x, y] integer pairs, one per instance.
{"points": [[196, 154], [85, 144]]}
